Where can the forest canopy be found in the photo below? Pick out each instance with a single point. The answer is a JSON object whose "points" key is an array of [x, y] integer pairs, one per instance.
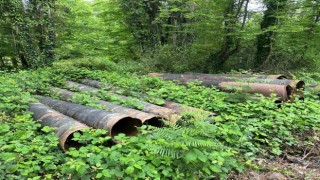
{"points": [[173, 35]]}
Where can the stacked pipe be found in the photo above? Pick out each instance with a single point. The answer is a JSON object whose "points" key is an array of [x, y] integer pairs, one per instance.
{"points": [[116, 123], [179, 108], [163, 112], [146, 118], [65, 126], [263, 84]]}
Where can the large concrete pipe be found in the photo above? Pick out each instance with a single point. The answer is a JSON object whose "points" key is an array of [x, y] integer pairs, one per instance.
{"points": [[65, 126], [146, 118], [179, 108], [115, 122], [163, 112]]}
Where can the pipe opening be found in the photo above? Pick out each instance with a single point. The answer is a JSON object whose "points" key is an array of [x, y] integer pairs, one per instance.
{"points": [[300, 85], [290, 91], [126, 126], [156, 122], [278, 102], [282, 77], [70, 143], [212, 115]]}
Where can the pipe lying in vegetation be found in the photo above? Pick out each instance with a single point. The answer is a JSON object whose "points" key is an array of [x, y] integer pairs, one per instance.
{"points": [[115, 122], [179, 108], [282, 91], [265, 79], [285, 92], [146, 118], [314, 88], [65, 126], [163, 112], [199, 75], [98, 84], [215, 79]]}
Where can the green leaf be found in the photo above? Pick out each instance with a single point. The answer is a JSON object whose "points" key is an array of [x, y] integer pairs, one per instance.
{"points": [[191, 156], [106, 173], [215, 168], [200, 155], [129, 170], [46, 129]]}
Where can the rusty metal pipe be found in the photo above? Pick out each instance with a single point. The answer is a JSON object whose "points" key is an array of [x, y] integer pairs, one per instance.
{"points": [[285, 92], [163, 112], [65, 126], [282, 91], [146, 118], [252, 79], [115, 122], [179, 108], [217, 79], [199, 75]]}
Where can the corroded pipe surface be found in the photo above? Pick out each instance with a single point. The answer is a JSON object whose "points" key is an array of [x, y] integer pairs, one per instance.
{"points": [[65, 126], [266, 79], [115, 122], [285, 92], [198, 75], [163, 112], [146, 118], [214, 80], [96, 84], [179, 108], [282, 91]]}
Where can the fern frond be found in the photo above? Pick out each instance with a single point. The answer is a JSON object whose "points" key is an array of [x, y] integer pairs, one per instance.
{"points": [[165, 151]]}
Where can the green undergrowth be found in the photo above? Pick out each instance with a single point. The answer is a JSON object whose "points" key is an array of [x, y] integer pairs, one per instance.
{"points": [[194, 148]]}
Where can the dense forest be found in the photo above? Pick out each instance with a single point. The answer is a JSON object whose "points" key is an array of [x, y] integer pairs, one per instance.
{"points": [[174, 36], [77, 102]]}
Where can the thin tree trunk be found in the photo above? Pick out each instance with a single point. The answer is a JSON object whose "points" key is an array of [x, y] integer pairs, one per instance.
{"points": [[23, 61], [317, 19], [14, 62], [245, 15], [2, 64]]}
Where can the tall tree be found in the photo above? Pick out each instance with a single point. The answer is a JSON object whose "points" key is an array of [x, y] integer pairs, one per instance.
{"points": [[30, 25], [265, 39], [231, 42]]}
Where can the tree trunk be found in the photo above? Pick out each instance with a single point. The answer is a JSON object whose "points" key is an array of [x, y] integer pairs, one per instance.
{"points": [[264, 40], [230, 44], [23, 61], [2, 64], [14, 62]]}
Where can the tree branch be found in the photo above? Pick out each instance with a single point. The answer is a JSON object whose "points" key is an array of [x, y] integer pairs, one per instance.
{"points": [[245, 15]]}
